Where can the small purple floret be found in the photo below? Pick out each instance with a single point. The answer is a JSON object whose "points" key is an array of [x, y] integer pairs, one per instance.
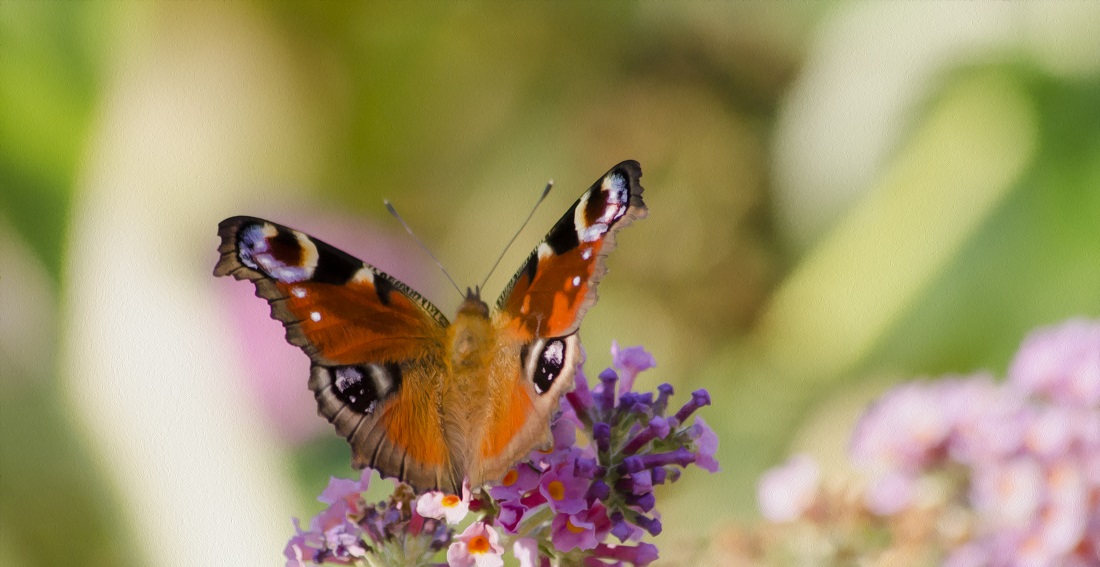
{"points": [[599, 490], [606, 395], [699, 398], [646, 501]]}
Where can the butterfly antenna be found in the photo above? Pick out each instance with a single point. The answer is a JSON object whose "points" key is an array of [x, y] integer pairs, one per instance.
{"points": [[545, 192], [393, 211]]}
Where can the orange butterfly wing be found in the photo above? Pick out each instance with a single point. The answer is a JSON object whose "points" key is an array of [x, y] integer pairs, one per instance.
{"points": [[549, 295], [539, 313], [376, 345]]}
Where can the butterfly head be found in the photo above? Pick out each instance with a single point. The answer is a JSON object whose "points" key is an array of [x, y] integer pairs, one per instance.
{"points": [[473, 305]]}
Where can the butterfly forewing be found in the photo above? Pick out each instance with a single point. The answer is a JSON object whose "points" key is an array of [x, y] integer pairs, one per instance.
{"points": [[550, 293]]}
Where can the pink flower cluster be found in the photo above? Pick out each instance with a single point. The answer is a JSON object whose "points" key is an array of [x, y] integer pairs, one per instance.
{"points": [[1029, 447]]}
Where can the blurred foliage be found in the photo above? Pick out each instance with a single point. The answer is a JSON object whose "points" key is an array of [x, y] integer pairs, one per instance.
{"points": [[54, 505], [463, 117]]}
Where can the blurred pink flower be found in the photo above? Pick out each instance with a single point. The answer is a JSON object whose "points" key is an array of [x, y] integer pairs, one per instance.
{"points": [[1030, 450], [786, 492], [1061, 362]]}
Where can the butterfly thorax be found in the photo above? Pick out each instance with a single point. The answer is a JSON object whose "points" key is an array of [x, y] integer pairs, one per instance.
{"points": [[471, 335]]}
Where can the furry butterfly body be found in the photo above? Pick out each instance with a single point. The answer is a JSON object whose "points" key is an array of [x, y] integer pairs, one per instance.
{"points": [[418, 397]]}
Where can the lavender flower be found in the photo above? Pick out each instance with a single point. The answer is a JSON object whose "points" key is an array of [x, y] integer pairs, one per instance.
{"points": [[611, 446], [605, 487], [349, 530], [961, 471], [1028, 448]]}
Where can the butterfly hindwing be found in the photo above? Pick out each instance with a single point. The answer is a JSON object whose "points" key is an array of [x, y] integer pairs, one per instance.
{"points": [[375, 344], [526, 385]]}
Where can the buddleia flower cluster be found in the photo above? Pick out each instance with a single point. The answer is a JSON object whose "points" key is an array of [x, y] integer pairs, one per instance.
{"points": [[352, 532], [962, 471], [587, 500]]}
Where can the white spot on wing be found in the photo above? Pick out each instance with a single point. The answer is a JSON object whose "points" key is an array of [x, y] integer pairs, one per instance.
{"points": [[586, 254], [576, 281], [545, 251], [298, 292], [364, 275], [554, 353], [315, 316]]}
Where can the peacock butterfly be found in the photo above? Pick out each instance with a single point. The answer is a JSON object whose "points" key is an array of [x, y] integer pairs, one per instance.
{"points": [[422, 399]]}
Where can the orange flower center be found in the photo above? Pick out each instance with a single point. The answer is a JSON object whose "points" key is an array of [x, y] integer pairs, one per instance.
{"points": [[510, 478], [450, 501], [478, 544], [569, 526], [556, 489]]}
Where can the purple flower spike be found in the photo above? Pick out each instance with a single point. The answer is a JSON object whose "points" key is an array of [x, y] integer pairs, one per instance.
{"points": [[651, 525], [605, 397], [706, 441], [699, 398], [681, 457], [658, 428], [630, 361], [642, 482], [599, 490], [580, 531], [623, 530], [515, 483], [663, 392], [511, 514], [646, 501], [564, 492], [641, 555], [631, 465], [345, 489], [588, 468], [637, 483], [580, 399], [601, 433]]}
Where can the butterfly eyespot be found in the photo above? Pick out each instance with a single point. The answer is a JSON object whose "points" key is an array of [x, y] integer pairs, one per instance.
{"points": [[286, 255], [362, 387], [549, 365]]}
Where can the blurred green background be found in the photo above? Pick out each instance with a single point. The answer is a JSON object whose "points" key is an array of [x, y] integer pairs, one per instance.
{"points": [[843, 195]]}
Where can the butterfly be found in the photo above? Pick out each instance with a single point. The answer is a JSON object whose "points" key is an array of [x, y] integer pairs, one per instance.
{"points": [[422, 399]]}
